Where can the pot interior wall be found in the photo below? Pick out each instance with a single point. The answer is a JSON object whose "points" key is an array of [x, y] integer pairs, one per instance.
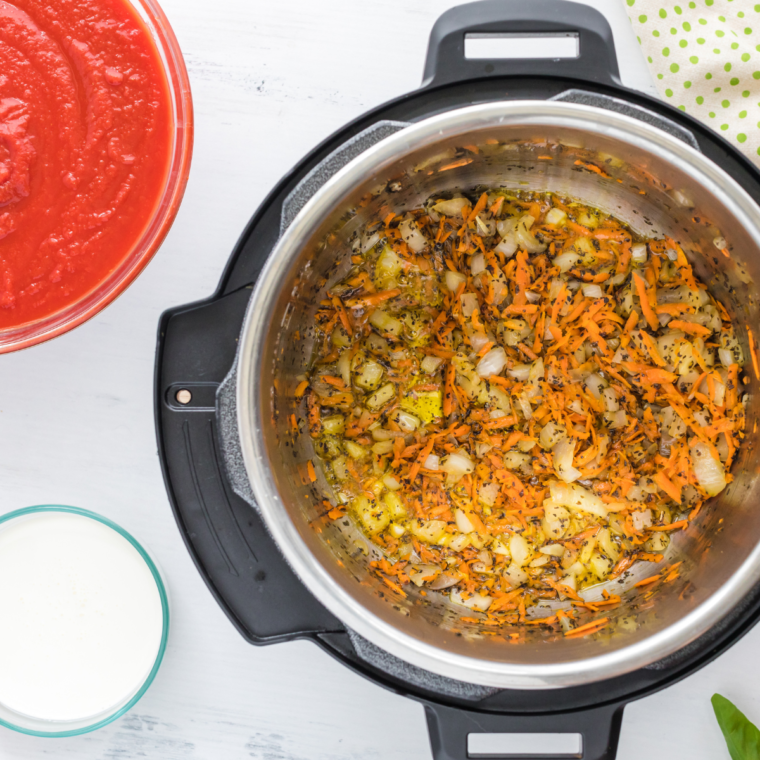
{"points": [[655, 198]]}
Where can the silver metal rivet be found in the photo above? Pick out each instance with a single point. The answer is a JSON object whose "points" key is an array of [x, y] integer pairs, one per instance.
{"points": [[184, 396]]}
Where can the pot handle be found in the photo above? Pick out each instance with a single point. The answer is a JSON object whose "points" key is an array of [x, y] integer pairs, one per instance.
{"points": [[459, 734], [227, 540], [447, 57]]}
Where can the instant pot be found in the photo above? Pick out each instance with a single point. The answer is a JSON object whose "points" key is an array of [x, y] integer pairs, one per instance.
{"points": [[227, 368]]}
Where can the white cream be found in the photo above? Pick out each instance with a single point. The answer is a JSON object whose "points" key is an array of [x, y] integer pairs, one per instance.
{"points": [[80, 617]]}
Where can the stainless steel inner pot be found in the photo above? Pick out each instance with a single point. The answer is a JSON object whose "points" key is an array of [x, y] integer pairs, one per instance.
{"points": [[659, 185]]}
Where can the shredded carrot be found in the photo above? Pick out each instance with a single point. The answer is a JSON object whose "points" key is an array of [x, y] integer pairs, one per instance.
{"points": [[753, 351], [646, 307], [456, 164], [689, 327], [647, 581], [671, 526], [667, 485], [592, 627], [443, 467], [376, 298]]}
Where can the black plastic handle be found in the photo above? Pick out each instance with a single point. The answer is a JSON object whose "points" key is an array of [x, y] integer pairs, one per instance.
{"points": [[446, 61], [450, 728], [226, 537]]}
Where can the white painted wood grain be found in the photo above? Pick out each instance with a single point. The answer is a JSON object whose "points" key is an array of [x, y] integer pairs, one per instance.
{"points": [[270, 80]]}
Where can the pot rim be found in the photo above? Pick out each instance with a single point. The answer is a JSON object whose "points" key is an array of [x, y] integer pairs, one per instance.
{"points": [[251, 420]]}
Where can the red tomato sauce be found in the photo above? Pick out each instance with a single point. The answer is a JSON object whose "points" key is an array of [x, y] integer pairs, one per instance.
{"points": [[85, 145]]}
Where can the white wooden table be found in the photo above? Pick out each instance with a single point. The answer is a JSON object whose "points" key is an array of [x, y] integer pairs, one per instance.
{"points": [[270, 80]]}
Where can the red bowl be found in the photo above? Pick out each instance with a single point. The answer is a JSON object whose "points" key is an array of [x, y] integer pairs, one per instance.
{"points": [[178, 84]]}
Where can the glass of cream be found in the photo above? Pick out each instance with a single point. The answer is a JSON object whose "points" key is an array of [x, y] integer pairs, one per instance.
{"points": [[85, 619]]}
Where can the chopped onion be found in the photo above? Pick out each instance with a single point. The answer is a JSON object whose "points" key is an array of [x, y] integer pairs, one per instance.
{"points": [[429, 531], [492, 363], [381, 434], [344, 367], [592, 291], [595, 383], [430, 364], [553, 550], [524, 403], [720, 242], [610, 400], [551, 434], [515, 575], [726, 357], [566, 261], [507, 245], [577, 498], [451, 207], [642, 519], [639, 253], [370, 242], [519, 550], [387, 267], [391, 483], [478, 340], [506, 226], [381, 397], [456, 466], [519, 372], [555, 216], [475, 602], [556, 519], [385, 322], [469, 304], [525, 238], [710, 472], [454, 280], [432, 462], [516, 460], [719, 396], [618, 419], [478, 264], [681, 198], [411, 235], [419, 574], [536, 372], [445, 580], [562, 455], [463, 522], [407, 422], [487, 227], [383, 447], [489, 493]]}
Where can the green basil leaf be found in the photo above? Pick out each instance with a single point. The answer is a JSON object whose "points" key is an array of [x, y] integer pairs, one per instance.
{"points": [[742, 736]]}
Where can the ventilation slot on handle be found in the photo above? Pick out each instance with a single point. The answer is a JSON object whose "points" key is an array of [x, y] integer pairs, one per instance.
{"points": [[513, 46], [512, 746]]}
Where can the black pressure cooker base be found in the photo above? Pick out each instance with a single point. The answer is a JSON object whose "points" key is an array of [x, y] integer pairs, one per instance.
{"points": [[197, 344]]}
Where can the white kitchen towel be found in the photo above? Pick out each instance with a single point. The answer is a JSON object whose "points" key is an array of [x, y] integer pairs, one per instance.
{"points": [[705, 57]]}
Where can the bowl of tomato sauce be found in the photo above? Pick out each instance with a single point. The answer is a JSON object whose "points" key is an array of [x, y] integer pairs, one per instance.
{"points": [[96, 133]]}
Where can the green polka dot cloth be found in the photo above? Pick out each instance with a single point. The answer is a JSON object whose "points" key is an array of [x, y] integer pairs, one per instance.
{"points": [[705, 58]]}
